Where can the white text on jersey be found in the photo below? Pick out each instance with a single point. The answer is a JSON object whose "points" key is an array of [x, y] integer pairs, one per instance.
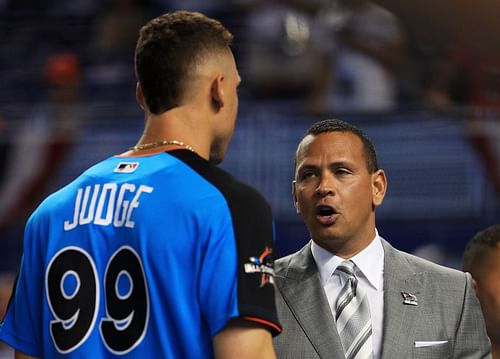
{"points": [[110, 209]]}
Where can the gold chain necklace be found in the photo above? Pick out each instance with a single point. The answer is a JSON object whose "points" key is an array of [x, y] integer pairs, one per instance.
{"points": [[148, 146]]}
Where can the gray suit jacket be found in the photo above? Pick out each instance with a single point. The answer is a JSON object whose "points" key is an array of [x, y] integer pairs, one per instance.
{"points": [[447, 310]]}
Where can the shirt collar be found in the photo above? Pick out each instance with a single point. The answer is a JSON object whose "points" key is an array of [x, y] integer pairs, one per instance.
{"points": [[370, 262]]}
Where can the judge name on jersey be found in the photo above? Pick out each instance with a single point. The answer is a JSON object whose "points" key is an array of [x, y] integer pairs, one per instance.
{"points": [[106, 204]]}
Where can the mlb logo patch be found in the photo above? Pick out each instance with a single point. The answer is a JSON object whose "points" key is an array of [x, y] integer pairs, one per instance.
{"points": [[126, 167]]}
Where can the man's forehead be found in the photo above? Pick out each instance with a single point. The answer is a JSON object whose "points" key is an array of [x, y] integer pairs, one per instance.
{"points": [[310, 138], [339, 142]]}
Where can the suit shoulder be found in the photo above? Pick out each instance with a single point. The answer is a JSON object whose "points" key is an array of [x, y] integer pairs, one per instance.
{"points": [[295, 263], [281, 264]]}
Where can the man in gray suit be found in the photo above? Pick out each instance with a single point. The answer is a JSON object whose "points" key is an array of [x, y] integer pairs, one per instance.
{"points": [[348, 293]]}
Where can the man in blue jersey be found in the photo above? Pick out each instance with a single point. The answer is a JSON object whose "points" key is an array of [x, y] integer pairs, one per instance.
{"points": [[155, 253]]}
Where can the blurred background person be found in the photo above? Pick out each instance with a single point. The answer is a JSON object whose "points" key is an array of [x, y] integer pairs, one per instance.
{"points": [[482, 260], [116, 25], [365, 46], [280, 57]]}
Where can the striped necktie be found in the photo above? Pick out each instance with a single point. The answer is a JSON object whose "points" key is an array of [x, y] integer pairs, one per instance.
{"points": [[352, 314]]}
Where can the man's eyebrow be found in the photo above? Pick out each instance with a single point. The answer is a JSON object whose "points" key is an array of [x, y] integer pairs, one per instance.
{"points": [[340, 164], [306, 166], [333, 165]]}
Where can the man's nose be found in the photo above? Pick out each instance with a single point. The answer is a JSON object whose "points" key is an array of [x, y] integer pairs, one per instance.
{"points": [[325, 186]]}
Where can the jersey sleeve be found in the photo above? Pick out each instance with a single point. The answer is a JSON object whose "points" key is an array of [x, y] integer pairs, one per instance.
{"points": [[19, 327], [254, 235], [237, 271], [241, 247]]}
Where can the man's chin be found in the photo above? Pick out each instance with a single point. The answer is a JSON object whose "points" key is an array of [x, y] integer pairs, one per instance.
{"points": [[328, 239], [337, 246]]}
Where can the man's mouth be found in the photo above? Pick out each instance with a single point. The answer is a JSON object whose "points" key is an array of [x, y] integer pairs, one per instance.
{"points": [[326, 215]]}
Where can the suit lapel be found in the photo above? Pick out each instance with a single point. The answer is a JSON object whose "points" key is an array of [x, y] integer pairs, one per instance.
{"points": [[302, 291], [399, 319]]}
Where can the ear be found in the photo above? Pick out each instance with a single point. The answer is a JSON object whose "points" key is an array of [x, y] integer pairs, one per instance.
{"points": [[379, 187], [139, 96], [294, 195], [217, 92]]}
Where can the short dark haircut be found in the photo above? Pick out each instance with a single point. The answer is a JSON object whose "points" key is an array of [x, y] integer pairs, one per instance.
{"points": [[167, 51], [334, 125], [478, 247]]}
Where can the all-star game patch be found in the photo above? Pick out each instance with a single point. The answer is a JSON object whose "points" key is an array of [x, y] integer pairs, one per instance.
{"points": [[262, 264]]}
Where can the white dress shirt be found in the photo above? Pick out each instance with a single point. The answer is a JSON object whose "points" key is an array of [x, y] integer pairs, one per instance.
{"points": [[370, 273]]}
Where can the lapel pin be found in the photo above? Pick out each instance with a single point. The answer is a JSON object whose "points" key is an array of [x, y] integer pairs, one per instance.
{"points": [[410, 299]]}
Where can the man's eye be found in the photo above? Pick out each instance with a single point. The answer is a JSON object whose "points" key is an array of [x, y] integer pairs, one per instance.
{"points": [[342, 171], [306, 175]]}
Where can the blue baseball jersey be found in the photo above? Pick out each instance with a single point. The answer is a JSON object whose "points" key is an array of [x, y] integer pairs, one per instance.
{"points": [[142, 257]]}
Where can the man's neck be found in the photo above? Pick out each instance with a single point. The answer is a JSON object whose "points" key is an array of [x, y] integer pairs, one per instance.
{"points": [[180, 125]]}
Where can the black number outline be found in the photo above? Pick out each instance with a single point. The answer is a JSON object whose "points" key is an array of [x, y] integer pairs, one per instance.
{"points": [[146, 290], [98, 283], [97, 296]]}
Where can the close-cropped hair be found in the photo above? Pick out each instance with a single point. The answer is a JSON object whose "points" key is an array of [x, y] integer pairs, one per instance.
{"points": [[335, 125], [167, 51], [479, 247]]}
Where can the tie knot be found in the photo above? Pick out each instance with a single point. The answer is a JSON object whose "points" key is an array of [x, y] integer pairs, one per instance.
{"points": [[347, 267]]}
